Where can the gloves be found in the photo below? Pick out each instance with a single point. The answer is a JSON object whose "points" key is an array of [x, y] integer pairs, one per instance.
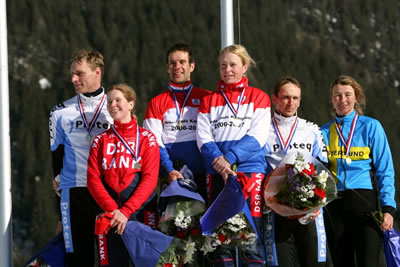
{"points": [[102, 225]]}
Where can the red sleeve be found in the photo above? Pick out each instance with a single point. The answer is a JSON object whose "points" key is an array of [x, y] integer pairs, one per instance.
{"points": [[94, 176], [150, 164]]}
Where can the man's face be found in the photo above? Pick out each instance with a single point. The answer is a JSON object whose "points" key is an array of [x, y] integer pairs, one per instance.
{"points": [[178, 67], [85, 79], [288, 100]]}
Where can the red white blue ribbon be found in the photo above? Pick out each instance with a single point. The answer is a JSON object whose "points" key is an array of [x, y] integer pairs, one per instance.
{"points": [[350, 137], [179, 110], [230, 105], [89, 126], [285, 143], [135, 154]]}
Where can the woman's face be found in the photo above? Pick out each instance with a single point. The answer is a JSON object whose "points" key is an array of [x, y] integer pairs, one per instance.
{"points": [[118, 107], [343, 99], [231, 68]]}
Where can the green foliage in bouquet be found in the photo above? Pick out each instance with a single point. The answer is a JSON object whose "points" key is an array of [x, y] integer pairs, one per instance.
{"points": [[173, 255], [181, 219]]}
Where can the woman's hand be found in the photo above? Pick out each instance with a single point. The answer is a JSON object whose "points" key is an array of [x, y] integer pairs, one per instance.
{"points": [[387, 223], [223, 167], [220, 164], [119, 220]]}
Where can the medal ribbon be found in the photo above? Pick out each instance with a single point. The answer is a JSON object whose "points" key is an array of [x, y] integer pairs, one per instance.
{"points": [[350, 138], [89, 126], [125, 143], [179, 112], [285, 145], [230, 106]]}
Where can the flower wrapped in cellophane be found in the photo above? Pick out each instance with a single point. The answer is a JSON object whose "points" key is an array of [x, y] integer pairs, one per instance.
{"points": [[181, 219], [236, 231], [299, 186], [228, 222]]}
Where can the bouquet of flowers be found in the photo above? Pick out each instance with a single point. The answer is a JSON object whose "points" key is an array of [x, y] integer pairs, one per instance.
{"points": [[227, 221], [298, 187], [181, 219], [236, 231]]}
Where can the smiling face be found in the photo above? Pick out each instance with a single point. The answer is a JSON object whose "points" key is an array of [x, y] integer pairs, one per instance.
{"points": [[231, 68], [119, 107], [178, 67], [85, 79], [343, 99], [288, 100]]}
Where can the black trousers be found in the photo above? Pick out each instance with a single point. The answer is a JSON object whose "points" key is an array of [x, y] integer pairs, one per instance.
{"points": [[83, 211], [293, 238], [114, 251], [354, 238]]}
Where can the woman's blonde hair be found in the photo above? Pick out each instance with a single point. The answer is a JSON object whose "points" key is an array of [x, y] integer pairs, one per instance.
{"points": [[241, 52]]}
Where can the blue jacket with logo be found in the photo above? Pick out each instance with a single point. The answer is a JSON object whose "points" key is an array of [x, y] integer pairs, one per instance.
{"points": [[370, 154]]}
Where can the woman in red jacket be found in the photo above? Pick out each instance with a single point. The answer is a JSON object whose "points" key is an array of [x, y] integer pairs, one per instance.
{"points": [[122, 171]]}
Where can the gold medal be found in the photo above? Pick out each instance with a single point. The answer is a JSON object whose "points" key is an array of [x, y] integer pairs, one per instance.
{"points": [[137, 166], [348, 160], [179, 124]]}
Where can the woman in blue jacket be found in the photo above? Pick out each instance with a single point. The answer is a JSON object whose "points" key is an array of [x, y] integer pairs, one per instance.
{"points": [[360, 157]]}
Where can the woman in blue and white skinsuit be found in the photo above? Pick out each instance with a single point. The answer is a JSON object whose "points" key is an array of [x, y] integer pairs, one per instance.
{"points": [[231, 130], [358, 151]]}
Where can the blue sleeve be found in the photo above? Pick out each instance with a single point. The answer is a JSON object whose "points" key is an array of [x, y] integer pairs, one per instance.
{"points": [[210, 151], [243, 150], [383, 164], [319, 150], [165, 162]]}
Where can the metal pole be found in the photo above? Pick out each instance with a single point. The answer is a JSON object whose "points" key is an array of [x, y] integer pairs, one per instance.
{"points": [[5, 155], [227, 34]]}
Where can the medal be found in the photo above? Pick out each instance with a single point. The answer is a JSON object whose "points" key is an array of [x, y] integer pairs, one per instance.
{"points": [[135, 155], [89, 125], [349, 139], [285, 144], [179, 111], [230, 105]]}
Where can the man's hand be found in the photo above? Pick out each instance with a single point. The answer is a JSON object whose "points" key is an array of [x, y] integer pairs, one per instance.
{"points": [[59, 227], [56, 185], [173, 175]]}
